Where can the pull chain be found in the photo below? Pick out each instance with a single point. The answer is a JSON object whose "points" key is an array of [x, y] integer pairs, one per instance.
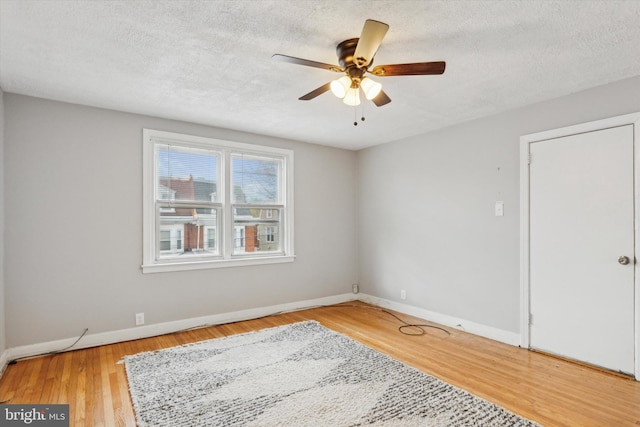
{"points": [[355, 115]]}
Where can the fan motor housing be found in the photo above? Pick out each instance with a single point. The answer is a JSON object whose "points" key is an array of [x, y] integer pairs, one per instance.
{"points": [[345, 51]]}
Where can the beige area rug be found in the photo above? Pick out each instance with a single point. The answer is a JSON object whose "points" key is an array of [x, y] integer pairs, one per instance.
{"points": [[297, 375]]}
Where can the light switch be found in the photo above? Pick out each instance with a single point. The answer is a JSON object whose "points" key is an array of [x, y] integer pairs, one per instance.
{"points": [[499, 208]]}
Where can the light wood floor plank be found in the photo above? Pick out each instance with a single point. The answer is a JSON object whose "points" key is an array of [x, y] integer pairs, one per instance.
{"points": [[549, 390]]}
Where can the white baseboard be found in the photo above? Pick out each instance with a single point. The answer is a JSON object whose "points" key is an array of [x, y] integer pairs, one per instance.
{"points": [[4, 360], [495, 334], [93, 340]]}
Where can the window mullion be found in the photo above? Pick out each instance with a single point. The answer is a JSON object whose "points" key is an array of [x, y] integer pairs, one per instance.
{"points": [[227, 216]]}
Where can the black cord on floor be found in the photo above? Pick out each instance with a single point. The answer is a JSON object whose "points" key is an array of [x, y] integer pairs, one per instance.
{"points": [[16, 360], [402, 328]]}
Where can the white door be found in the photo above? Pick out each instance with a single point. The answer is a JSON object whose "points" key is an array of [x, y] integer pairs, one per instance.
{"points": [[581, 225]]}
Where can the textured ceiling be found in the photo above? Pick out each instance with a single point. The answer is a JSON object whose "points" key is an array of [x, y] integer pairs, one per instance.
{"points": [[210, 62]]}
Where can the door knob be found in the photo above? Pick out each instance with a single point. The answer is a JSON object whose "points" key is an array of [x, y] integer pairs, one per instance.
{"points": [[624, 260]]}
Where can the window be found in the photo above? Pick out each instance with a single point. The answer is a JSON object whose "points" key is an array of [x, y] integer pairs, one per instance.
{"points": [[212, 203], [210, 238], [165, 240], [170, 239], [256, 201], [238, 241], [271, 234]]}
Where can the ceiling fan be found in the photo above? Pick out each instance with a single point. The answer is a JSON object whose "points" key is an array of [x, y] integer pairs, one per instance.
{"points": [[355, 57]]}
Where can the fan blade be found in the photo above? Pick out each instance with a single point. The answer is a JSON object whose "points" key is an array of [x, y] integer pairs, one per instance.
{"points": [[416, 69], [322, 89], [381, 99], [308, 63], [372, 34]]}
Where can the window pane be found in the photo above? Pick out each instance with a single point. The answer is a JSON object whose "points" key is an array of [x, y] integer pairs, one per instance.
{"points": [[186, 174], [255, 180], [254, 231], [188, 232]]}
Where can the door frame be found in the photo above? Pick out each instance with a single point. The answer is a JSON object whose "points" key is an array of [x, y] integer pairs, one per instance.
{"points": [[525, 143]]}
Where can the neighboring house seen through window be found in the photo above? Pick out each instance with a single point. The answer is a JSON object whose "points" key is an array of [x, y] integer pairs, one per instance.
{"points": [[212, 203]]}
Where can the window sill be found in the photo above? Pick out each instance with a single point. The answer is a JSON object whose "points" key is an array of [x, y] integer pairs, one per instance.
{"points": [[201, 265]]}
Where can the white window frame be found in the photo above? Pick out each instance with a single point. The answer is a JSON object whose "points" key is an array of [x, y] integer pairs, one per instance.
{"points": [[152, 263]]}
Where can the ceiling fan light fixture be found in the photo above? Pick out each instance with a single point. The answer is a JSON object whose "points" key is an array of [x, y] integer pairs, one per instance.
{"points": [[352, 97], [355, 57], [370, 88], [340, 86]]}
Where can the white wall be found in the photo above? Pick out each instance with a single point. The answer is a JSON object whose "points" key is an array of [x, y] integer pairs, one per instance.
{"points": [[426, 208], [73, 202], [2, 305]]}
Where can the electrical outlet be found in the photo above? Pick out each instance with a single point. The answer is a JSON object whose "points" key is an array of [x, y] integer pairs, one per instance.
{"points": [[139, 319], [403, 294], [355, 288]]}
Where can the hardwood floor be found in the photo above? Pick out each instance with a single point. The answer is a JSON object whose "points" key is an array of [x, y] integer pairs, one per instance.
{"points": [[551, 391]]}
